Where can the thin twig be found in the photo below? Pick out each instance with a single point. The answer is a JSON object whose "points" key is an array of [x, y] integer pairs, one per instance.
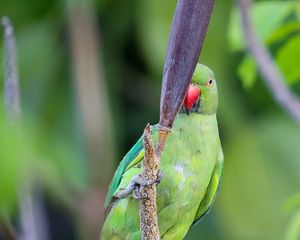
{"points": [[11, 85], [11, 100], [269, 71], [32, 217], [148, 208], [32, 213]]}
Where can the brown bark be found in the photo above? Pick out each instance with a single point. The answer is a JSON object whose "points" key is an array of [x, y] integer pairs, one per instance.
{"points": [[148, 208]]}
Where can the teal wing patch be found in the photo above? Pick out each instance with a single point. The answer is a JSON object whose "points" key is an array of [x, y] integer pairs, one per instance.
{"points": [[212, 190], [135, 155]]}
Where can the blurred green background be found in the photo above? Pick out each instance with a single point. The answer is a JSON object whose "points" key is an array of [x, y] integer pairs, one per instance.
{"points": [[90, 76]]}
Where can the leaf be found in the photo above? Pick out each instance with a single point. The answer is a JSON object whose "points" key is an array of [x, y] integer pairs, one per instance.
{"points": [[288, 60], [293, 231], [283, 31], [292, 203], [154, 20], [247, 72], [266, 16]]}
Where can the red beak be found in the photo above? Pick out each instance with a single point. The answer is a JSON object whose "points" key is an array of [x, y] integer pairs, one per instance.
{"points": [[192, 96]]}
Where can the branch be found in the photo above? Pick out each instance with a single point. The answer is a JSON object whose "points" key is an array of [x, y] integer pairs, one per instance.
{"points": [[91, 93], [148, 208], [187, 35], [32, 216], [11, 85], [271, 74], [11, 100]]}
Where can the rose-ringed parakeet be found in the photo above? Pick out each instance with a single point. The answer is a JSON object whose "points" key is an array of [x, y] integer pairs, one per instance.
{"points": [[191, 165]]}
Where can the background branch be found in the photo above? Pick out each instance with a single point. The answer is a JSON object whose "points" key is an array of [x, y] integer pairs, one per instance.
{"points": [[32, 215], [271, 74], [11, 84], [91, 91]]}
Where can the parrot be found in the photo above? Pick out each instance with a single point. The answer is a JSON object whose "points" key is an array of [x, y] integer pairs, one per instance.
{"points": [[191, 167]]}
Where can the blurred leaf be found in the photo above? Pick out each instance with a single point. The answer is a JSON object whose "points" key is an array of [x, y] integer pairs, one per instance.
{"points": [[267, 16], [292, 203], [154, 20], [288, 59], [27, 154], [15, 155], [293, 231], [247, 71], [261, 172], [284, 31]]}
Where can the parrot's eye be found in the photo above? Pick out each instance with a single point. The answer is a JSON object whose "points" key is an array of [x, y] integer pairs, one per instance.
{"points": [[210, 82]]}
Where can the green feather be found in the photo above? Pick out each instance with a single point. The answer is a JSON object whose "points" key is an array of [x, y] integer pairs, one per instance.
{"points": [[212, 190]]}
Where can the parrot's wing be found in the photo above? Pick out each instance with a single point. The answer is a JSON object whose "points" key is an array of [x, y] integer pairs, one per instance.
{"points": [[212, 189], [133, 157]]}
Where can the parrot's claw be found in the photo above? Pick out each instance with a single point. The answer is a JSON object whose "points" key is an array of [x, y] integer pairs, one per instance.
{"points": [[130, 188], [136, 194], [135, 184], [159, 177]]}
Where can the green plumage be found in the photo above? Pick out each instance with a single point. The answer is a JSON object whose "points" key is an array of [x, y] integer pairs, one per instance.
{"points": [[191, 164]]}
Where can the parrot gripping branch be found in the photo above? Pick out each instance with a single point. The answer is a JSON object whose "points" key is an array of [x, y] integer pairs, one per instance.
{"points": [[189, 27], [136, 183]]}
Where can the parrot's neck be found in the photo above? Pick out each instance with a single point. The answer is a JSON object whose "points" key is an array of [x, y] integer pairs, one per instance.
{"points": [[192, 131], [193, 119]]}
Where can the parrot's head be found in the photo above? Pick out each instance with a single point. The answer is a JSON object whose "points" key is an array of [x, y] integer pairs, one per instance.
{"points": [[202, 93]]}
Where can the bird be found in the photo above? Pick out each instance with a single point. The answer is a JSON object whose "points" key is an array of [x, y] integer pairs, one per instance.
{"points": [[191, 167]]}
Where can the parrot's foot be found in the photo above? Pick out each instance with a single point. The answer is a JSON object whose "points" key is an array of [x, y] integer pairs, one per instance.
{"points": [[135, 184]]}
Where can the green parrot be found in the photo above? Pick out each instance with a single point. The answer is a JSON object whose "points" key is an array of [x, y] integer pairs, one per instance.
{"points": [[191, 166]]}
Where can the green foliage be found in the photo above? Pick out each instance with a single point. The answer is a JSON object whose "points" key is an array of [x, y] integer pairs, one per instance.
{"points": [[288, 59], [154, 20], [247, 71], [276, 23], [267, 17], [26, 154], [293, 231]]}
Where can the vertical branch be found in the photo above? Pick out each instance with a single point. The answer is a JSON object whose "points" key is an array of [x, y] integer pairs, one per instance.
{"points": [[187, 35], [33, 219], [148, 208], [91, 93], [11, 100], [32, 215], [269, 71], [189, 27], [11, 84]]}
